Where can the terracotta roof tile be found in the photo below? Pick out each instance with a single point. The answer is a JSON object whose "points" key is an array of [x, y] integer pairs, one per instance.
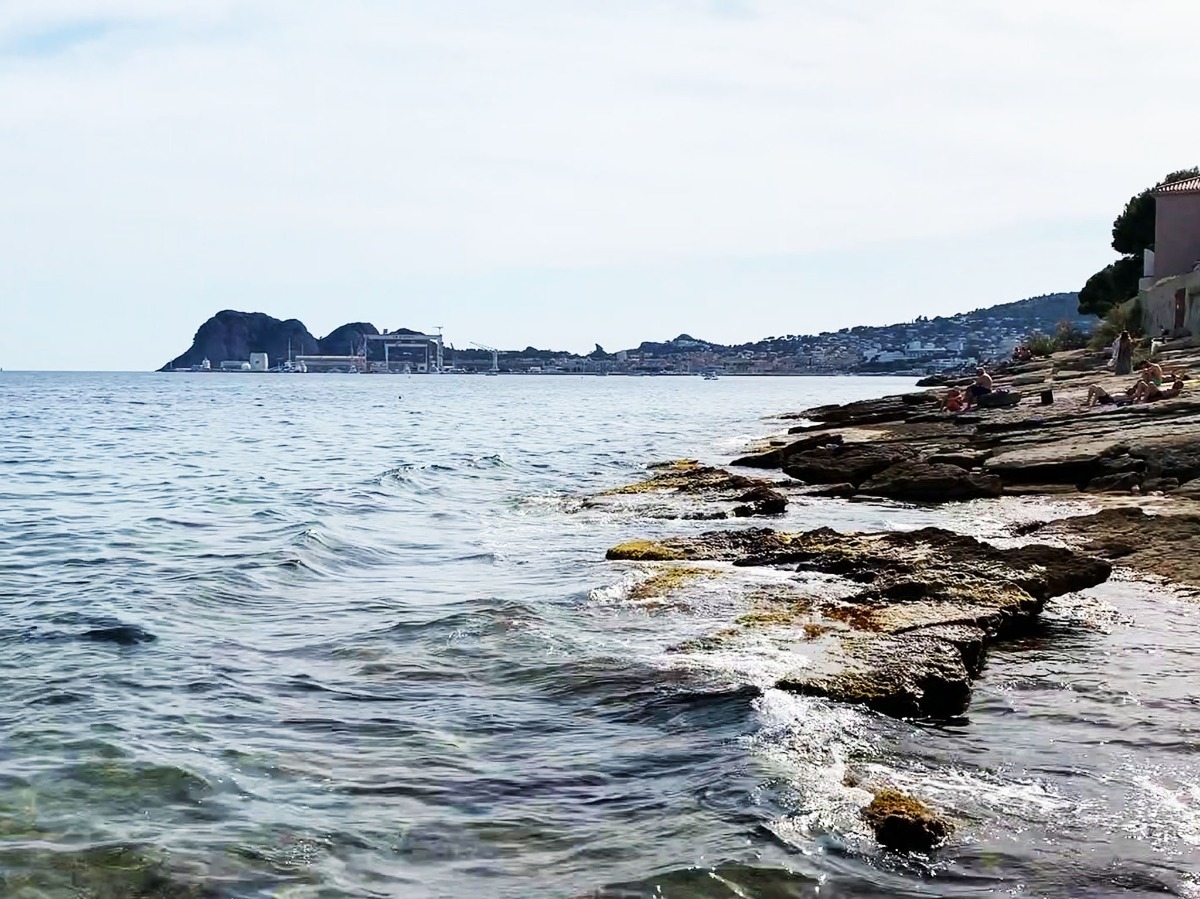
{"points": [[1186, 186]]}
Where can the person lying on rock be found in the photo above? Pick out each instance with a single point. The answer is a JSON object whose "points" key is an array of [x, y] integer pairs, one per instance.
{"points": [[1097, 395], [981, 387], [1148, 392], [954, 401]]}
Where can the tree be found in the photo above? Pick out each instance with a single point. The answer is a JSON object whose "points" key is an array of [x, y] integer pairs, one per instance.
{"points": [[1110, 286], [1132, 235], [1069, 337]]}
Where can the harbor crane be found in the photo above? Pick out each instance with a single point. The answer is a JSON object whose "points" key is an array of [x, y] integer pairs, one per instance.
{"points": [[495, 354]]}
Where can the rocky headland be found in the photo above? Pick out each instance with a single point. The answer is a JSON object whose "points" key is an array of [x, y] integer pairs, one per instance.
{"points": [[235, 335], [901, 621]]}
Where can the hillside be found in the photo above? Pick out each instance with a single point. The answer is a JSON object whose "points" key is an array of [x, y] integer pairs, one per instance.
{"points": [[921, 344]]}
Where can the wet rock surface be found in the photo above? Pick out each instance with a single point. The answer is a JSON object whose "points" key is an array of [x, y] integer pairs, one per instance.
{"points": [[689, 476], [909, 632], [904, 823], [1167, 545], [761, 501], [711, 493]]}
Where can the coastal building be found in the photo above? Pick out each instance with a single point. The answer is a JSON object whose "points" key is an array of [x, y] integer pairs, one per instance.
{"points": [[1172, 306], [1176, 229], [1169, 293]]}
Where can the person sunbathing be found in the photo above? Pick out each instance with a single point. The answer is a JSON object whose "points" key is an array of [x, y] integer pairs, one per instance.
{"points": [[1149, 392], [1098, 396]]}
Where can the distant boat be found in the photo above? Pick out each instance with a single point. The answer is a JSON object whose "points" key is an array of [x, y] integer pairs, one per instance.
{"points": [[711, 376]]}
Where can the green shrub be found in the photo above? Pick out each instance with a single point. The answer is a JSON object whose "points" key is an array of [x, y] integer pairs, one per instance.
{"points": [[1040, 344], [1126, 317], [1069, 337]]}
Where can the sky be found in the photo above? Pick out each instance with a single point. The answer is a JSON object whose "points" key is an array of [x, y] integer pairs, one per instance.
{"points": [[565, 172]]}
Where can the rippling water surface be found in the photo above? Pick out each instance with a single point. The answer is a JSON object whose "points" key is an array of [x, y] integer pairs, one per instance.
{"points": [[337, 636]]}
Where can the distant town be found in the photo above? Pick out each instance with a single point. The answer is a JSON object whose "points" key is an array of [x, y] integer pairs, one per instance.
{"points": [[239, 341]]}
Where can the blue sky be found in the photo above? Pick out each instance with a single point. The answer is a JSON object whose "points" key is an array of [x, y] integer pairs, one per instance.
{"points": [[560, 172]]}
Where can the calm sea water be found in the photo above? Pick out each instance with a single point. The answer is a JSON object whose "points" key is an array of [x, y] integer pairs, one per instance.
{"points": [[306, 636]]}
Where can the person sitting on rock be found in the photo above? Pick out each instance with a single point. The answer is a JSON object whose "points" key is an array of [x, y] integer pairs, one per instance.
{"points": [[954, 401], [1097, 395], [981, 387], [1151, 372]]}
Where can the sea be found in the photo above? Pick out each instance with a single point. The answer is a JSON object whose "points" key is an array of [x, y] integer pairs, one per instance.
{"points": [[355, 636]]}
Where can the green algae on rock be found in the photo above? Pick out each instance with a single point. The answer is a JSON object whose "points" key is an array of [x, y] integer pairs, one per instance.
{"points": [[909, 633], [666, 580], [904, 823], [644, 551], [688, 476]]}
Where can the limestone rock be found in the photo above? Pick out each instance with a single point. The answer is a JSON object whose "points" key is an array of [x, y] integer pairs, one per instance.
{"points": [[851, 463], [689, 476], [835, 491], [905, 676], [774, 458], [1115, 483], [910, 634], [1166, 545], [1190, 489], [931, 482], [761, 500]]}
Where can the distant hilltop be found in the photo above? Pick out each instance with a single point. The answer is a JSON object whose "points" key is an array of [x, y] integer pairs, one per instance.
{"points": [[922, 346]]}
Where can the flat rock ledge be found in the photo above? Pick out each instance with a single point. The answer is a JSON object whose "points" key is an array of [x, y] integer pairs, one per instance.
{"points": [[1046, 440], [1166, 545], [910, 630]]}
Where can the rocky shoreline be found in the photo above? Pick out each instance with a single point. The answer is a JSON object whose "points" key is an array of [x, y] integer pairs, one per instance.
{"points": [[900, 622], [1141, 457]]}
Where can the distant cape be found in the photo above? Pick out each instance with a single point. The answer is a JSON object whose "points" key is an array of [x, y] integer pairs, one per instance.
{"points": [[232, 335]]}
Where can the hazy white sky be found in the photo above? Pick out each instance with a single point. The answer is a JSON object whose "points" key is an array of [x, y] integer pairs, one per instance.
{"points": [[561, 172]]}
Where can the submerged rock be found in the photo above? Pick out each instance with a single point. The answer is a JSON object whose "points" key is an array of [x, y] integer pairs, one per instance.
{"points": [[904, 823], [667, 580]]}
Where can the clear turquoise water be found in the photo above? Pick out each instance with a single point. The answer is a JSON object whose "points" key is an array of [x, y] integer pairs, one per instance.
{"points": [[332, 636]]}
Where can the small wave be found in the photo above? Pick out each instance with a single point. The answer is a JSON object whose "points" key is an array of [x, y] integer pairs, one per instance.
{"points": [[729, 881]]}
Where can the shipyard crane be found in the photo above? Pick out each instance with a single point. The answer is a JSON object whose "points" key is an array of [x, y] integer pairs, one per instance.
{"points": [[495, 354]]}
